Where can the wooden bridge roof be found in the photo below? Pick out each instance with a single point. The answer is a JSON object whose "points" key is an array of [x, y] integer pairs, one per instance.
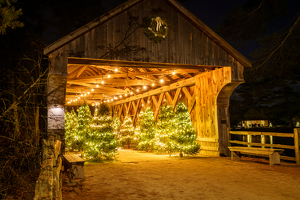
{"points": [[107, 78]]}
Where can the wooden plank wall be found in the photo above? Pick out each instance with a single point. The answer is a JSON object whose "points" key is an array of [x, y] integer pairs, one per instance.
{"points": [[186, 43], [208, 113]]}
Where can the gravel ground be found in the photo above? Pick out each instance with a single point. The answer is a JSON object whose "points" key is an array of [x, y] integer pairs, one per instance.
{"points": [[140, 175]]}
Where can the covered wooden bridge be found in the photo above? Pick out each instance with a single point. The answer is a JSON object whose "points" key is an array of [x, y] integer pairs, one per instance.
{"points": [[147, 52]]}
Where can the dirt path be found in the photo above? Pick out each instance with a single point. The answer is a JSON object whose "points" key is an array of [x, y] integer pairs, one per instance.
{"points": [[139, 175]]}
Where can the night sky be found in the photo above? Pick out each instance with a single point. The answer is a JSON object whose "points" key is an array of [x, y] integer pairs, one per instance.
{"points": [[213, 12]]}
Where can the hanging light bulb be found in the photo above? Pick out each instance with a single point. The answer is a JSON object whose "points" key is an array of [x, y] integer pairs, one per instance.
{"points": [[173, 72], [81, 94], [108, 76], [97, 85], [92, 89], [108, 100], [161, 80], [78, 97], [88, 92], [116, 69], [152, 84], [102, 82], [120, 96], [131, 93], [137, 90], [112, 99], [84, 94], [145, 87], [125, 95], [71, 100]]}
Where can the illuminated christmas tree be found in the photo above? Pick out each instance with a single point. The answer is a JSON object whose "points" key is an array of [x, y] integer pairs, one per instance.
{"points": [[70, 128], [83, 127], [116, 125], [164, 130], [147, 130], [184, 135], [102, 143], [136, 136], [126, 133]]}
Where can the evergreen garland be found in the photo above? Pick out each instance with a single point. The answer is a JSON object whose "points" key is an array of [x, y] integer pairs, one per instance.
{"points": [[126, 133], [147, 130], [83, 128], [102, 143], [164, 130], [70, 128], [184, 135]]}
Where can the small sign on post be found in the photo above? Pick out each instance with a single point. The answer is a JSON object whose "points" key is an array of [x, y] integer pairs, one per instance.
{"points": [[56, 117]]}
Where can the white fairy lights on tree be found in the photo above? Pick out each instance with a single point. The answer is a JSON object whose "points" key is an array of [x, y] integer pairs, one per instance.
{"points": [[184, 135], [126, 133], [102, 143], [70, 128], [147, 130], [164, 130]]}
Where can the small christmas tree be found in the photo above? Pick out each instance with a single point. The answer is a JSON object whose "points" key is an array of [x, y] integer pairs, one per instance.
{"points": [[102, 143], [184, 135], [164, 130], [116, 125], [83, 127], [70, 128], [126, 133], [147, 130], [136, 136]]}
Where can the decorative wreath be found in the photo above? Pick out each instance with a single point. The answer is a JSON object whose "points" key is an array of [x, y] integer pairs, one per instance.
{"points": [[156, 28]]}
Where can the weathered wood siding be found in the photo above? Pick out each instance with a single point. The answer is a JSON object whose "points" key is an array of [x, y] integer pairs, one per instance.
{"points": [[117, 39]]}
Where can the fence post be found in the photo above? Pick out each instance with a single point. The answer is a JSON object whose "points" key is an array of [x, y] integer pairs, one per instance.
{"points": [[271, 140], [296, 142], [249, 140], [263, 140]]}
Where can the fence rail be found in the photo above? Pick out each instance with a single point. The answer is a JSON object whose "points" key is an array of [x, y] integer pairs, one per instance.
{"points": [[263, 144]]}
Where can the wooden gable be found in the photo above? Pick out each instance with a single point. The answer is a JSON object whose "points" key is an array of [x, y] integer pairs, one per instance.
{"points": [[118, 35]]}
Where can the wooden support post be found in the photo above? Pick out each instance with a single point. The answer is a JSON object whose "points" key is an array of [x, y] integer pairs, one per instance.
{"points": [[271, 140], [249, 140], [296, 142], [263, 140]]}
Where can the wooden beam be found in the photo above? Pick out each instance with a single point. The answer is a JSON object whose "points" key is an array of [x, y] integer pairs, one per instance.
{"points": [[192, 103], [140, 74], [114, 82], [154, 100], [82, 90], [187, 93], [179, 84], [158, 105], [136, 110], [169, 98], [120, 110], [80, 71], [138, 64], [128, 108], [174, 102]]}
